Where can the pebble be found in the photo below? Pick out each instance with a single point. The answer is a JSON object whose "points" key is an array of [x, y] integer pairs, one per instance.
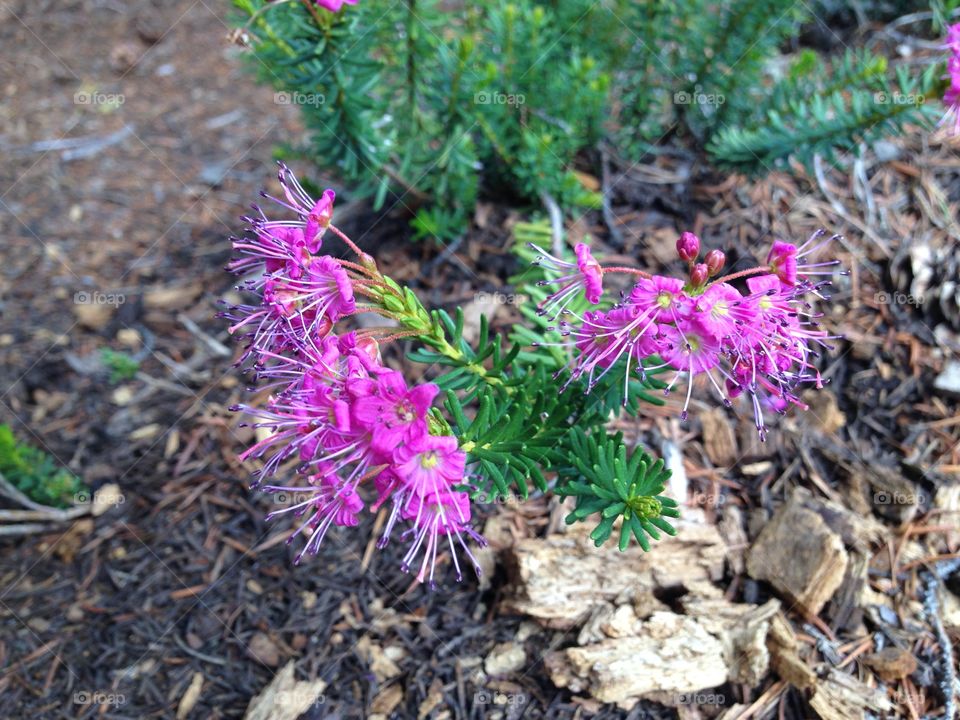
{"points": [[949, 379]]}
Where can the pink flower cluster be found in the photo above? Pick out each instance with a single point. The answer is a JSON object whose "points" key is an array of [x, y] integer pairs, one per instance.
{"points": [[951, 97], [334, 5], [759, 342], [348, 424]]}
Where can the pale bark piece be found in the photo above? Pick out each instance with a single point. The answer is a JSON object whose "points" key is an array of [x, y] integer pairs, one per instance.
{"points": [[800, 556], [785, 654], [285, 698], [190, 697], [561, 579], [842, 697], [672, 654], [742, 629], [505, 658]]}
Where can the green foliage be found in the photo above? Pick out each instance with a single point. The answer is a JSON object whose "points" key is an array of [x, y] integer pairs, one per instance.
{"points": [[35, 473], [823, 110], [401, 105], [414, 104], [609, 484], [121, 365]]}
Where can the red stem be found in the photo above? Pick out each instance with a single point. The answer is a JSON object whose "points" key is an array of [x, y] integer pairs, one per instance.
{"points": [[631, 271], [742, 273]]}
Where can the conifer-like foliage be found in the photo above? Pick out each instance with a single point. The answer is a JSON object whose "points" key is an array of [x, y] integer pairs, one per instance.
{"points": [[431, 106]]}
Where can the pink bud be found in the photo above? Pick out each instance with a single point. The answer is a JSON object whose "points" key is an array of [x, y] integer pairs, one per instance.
{"points": [[699, 275], [688, 247], [715, 261]]}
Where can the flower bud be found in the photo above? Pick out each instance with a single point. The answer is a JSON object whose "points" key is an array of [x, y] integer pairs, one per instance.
{"points": [[699, 274], [688, 247], [715, 261]]}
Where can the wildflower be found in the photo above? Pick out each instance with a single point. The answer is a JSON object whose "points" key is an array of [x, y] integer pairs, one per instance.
{"points": [[314, 215], [430, 464], [951, 96], [784, 258], [437, 516], [334, 5], [718, 310], [394, 413], [334, 411], [761, 343], [584, 275]]}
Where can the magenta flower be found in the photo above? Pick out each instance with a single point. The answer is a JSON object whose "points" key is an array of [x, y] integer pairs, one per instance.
{"points": [[951, 96], [334, 5], [585, 275], [718, 310], [430, 464], [345, 424], [761, 344], [438, 516], [314, 215], [784, 258], [394, 413]]}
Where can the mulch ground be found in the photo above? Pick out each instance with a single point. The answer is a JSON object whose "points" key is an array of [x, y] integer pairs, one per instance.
{"points": [[132, 146]]}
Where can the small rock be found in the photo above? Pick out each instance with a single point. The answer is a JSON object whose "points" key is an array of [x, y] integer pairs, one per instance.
{"points": [[886, 151], [123, 395], [93, 316], [263, 649], [75, 613], [39, 624], [128, 337], [504, 659], [150, 25], [146, 432], [124, 55], [949, 379], [106, 497]]}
